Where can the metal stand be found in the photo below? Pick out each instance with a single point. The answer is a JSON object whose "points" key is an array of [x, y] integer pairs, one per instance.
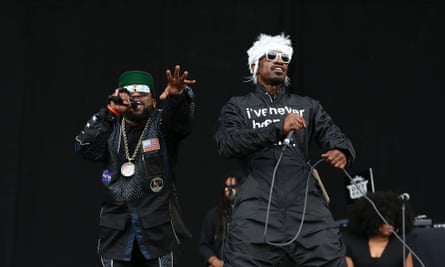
{"points": [[403, 232]]}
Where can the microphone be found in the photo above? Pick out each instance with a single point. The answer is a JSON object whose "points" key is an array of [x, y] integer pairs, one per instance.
{"points": [[289, 137], [134, 104], [404, 197], [231, 189], [230, 192], [118, 100]]}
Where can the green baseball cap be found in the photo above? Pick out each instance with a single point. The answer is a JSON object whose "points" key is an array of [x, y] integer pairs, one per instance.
{"points": [[137, 77]]}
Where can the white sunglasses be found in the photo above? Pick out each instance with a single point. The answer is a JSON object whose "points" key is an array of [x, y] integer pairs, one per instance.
{"points": [[138, 88], [272, 55]]}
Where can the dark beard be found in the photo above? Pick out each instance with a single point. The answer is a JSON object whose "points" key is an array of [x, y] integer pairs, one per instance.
{"points": [[146, 113], [276, 81]]}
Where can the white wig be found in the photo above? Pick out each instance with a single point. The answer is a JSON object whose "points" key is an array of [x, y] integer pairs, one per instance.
{"points": [[263, 44]]}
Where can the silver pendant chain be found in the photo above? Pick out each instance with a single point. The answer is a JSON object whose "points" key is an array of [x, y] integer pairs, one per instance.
{"points": [[138, 145]]}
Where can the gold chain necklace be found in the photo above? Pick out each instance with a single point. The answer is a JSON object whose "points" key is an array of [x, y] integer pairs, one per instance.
{"points": [[128, 168]]}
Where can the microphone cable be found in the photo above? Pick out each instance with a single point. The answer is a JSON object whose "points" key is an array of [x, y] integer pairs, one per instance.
{"points": [[306, 191], [266, 223]]}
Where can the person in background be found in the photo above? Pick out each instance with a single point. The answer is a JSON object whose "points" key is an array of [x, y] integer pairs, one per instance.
{"points": [[136, 139], [216, 223], [279, 210], [370, 242]]}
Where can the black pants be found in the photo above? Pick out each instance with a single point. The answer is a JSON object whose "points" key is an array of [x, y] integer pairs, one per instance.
{"points": [[138, 260]]}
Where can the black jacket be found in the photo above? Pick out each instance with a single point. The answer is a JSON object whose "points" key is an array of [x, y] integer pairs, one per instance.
{"points": [[138, 207]]}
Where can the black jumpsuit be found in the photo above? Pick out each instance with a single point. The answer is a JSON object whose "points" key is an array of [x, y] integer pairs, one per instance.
{"points": [[250, 128]]}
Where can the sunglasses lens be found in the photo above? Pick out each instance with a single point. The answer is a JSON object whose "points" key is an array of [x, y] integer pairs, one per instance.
{"points": [[285, 58], [271, 55]]}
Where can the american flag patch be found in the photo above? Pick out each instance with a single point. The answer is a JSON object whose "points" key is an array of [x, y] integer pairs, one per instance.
{"points": [[150, 144]]}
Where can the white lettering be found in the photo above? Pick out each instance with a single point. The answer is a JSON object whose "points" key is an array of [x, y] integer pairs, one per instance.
{"points": [[263, 117]]}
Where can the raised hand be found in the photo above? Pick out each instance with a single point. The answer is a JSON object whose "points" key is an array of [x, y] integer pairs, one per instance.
{"points": [[176, 82]]}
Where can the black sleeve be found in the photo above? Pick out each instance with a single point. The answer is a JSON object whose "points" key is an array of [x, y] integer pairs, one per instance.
{"points": [[178, 113], [91, 142], [328, 134], [235, 138]]}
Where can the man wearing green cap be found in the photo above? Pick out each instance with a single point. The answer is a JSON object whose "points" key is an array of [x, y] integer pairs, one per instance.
{"points": [[136, 138]]}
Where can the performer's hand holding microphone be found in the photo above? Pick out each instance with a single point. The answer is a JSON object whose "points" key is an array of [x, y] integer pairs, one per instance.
{"points": [[291, 125], [120, 100]]}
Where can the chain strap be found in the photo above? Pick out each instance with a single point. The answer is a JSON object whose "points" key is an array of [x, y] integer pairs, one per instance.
{"points": [[138, 146]]}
